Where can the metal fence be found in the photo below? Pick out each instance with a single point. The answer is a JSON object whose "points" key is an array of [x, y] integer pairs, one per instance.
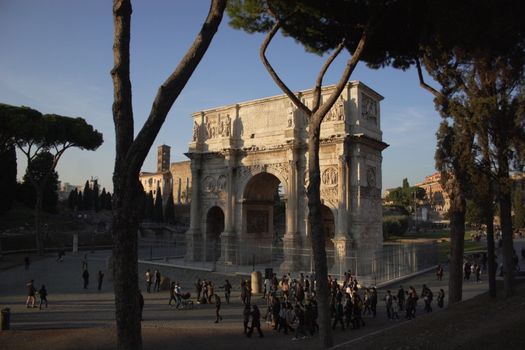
{"points": [[391, 262]]}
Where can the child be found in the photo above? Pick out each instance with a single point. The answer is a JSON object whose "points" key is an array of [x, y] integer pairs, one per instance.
{"points": [[395, 309]]}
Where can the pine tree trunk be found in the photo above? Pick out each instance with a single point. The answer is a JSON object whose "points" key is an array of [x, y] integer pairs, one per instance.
{"points": [[457, 245], [38, 218], [491, 252], [505, 206], [506, 232], [317, 237], [127, 199]]}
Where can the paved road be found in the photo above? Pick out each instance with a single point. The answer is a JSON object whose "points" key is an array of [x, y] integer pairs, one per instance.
{"points": [[70, 306]]}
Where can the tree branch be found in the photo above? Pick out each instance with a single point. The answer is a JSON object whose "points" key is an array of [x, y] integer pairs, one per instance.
{"points": [[262, 54], [172, 87], [422, 83], [322, 72], [350, 66]]}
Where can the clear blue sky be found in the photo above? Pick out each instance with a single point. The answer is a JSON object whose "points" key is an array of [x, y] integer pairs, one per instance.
{"points": [[57, 55]]}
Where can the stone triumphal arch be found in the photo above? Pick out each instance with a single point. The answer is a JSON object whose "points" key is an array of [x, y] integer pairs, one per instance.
{"points": [[244, 155]]}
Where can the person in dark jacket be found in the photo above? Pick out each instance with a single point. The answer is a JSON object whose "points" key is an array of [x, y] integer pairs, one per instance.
{"points": [[246, 318], [256, 321], [85, 276], [42, 292], [338, 315]]}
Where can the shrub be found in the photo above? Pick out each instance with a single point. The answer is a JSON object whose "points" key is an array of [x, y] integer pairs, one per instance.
{"points": [[395, 225]]}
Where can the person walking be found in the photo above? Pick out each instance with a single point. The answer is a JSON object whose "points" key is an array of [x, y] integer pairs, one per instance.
{"points": [[300, 329], [227, 291], [388, 303], [211, 291], [100, 280], [401, 298], [198, 290], [30, 294], [373, 301], [149, 281], [85, 276], [439, 272], [172, 293], [246, 318], [43, 296], [178, 295], [427, 295], [217, 308], [338, 315], [441, 298], [256, 321], [156, 287]]}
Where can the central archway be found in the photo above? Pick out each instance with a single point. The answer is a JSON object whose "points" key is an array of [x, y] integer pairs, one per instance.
{"points": [[264, 216]]}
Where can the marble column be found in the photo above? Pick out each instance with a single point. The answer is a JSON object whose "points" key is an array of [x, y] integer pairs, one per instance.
{"points": [[342, 241], [292, 239], [342, 214], [228, 237], [194, 243]]}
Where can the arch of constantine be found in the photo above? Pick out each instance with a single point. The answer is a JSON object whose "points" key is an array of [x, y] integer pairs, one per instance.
{"points": [[244, 156]]}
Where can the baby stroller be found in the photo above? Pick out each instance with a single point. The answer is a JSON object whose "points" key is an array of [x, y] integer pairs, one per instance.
{"points": [[185, 302]]}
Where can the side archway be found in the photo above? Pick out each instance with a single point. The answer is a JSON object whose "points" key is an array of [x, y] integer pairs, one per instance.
{"points": [[214, 228], [329, 229]]}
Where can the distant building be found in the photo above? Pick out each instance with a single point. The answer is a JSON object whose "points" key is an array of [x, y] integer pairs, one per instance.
{"points": [[174, 177], [437, 198], [65, 188]]}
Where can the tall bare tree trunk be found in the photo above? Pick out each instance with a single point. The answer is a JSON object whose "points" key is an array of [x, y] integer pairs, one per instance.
{"points": [[491, 251], [128, 196], [38, 219], [457, 244], [508, 248], [127, 210], [505, 206], [318, 236]]}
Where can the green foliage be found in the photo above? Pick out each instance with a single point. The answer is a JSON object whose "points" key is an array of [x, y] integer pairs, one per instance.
{"points": [[7, 179], [406, 195], [149, 207], [395, 225], [474, 215], [37, 173], [87, 198], [72, 199], [105, 200], [96, 197], [157, 210], [169, 210]]}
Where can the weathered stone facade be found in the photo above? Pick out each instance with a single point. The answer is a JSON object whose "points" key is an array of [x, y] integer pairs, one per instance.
{"points": [[241, 153], [174, 177]]}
